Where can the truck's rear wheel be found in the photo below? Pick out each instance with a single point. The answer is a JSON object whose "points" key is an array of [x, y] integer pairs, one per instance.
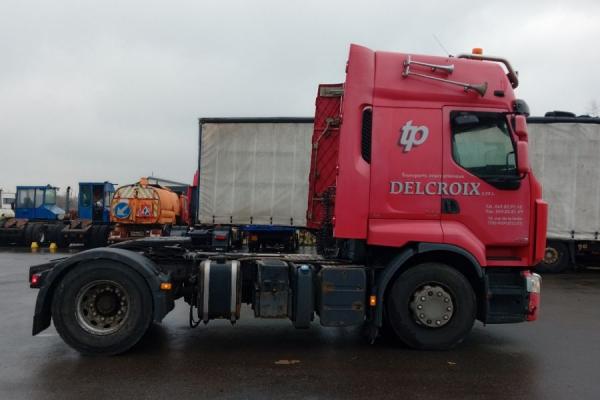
{"points": [[431, 307], [101, 238], [556, 258], [34, 233], [56, 236], [97, 236], [102, 308], [26, 238]]}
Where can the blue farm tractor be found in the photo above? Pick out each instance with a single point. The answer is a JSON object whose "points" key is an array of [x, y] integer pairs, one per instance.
{"points": [[39, 219], [35, 208]]}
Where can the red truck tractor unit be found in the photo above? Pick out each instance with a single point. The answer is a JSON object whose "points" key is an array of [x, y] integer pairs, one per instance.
{"points": [[424, 205]]}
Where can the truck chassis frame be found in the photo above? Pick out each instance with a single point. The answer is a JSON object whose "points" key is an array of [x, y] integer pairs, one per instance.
{"points": [[341, 292]]}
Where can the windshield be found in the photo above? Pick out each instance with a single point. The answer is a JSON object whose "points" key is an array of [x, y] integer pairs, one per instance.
{"points": [[50, 197]]}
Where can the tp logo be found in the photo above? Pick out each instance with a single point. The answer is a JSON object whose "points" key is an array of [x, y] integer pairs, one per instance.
{"points": [[412, 136]]}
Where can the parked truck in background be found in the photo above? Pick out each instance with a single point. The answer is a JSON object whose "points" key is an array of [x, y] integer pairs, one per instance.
{"points": [[429, 214], [565, 153], [38, 219], [183, 192], [252, 182], [92, 223], [144, 209], [35, 212]]}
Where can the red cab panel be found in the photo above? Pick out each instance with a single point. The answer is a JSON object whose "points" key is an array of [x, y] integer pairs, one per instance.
{"points": [[324, 159]]}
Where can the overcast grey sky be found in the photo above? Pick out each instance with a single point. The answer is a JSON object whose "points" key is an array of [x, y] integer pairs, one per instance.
{"points": [[112, 90]]}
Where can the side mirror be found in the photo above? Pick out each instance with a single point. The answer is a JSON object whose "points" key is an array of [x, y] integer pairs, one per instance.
{"points": [[523, 158], [521, 127]]}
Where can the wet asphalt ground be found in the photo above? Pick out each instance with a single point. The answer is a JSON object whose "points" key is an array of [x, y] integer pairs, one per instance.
{"points": [[557, 357]]}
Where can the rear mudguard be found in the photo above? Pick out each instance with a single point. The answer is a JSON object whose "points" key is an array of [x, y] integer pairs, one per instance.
{"points": [[162, 301]]}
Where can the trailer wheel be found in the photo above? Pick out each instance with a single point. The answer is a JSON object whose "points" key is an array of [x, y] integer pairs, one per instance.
{"points": [[102, 308], [556, 258], [431, 306]]}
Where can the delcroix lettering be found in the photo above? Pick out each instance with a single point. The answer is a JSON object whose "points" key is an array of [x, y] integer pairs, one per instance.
{"points": [[435, 188]]}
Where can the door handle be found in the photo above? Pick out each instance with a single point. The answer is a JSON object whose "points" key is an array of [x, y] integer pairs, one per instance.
{"points": [[450, 206]]}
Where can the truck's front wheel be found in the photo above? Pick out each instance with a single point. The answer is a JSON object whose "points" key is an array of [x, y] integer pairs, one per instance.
{"points": [[431, 307], [102, 307]]}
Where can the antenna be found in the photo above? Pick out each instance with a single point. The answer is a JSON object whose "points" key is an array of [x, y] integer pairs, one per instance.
{"points": [[441, 45]]}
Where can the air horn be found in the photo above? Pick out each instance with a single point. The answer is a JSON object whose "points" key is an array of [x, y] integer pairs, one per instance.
{"points": [[479, 88]]}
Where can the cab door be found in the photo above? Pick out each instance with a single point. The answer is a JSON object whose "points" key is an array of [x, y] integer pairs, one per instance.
{"points": [[485, 203], [406, 168], [84, 208]]}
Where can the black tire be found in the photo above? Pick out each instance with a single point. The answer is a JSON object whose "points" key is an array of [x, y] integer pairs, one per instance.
{"points": [[97, 236], [101, 239], [444, 281], [55, 235], [90, 236], [34, 233], [27, 234], [132, 327], [39, 233], [556, 258]]}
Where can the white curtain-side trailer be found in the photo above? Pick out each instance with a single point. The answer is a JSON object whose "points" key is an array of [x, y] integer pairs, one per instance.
{"points": [[253, 181], [565, 156]]}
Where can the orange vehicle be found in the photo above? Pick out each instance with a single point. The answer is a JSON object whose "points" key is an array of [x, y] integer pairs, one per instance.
{"points": [[143, 209]]}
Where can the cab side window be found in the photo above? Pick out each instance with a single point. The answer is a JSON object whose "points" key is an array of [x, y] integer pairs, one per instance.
{"points": [[482, 144], [39, 197]]}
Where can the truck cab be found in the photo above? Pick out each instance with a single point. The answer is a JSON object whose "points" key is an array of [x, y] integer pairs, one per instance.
{"points": [[94, 201], [432, 150], [92, 225], [420, 169], [37, 203]]}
